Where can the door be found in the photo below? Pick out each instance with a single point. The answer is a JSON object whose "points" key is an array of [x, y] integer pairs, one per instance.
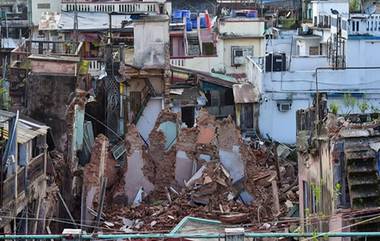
{"points": [[246, 116]]}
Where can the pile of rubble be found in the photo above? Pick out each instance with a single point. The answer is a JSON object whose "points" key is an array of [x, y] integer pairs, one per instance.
{"points": [[207, 171]]}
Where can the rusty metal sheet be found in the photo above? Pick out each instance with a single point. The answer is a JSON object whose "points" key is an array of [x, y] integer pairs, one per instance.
{"points": [[245, 93]]}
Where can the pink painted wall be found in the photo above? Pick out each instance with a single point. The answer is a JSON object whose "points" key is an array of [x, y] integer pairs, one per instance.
{"points": [[53, 67]]}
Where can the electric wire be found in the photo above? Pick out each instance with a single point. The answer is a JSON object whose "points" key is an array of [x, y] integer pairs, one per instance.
{"points": [[104, 125]]}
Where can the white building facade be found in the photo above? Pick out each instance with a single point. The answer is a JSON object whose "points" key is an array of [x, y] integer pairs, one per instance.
{"points": [[343, 62]]}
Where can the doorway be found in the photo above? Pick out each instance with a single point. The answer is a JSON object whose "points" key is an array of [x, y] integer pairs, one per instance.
{"points": [[187, 115]]}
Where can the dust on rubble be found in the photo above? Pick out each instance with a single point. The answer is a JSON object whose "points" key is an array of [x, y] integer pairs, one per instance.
{"points": [[227, 179]]}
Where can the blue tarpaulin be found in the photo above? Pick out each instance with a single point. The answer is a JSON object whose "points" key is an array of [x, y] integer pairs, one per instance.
{"points": [[10, 148]]}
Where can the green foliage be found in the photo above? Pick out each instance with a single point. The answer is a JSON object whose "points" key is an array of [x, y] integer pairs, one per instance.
{"points": [[337, 191], [307, 212], [317, 189], [288, 23], [363, 107], [4, 100], [349, 102], [334, 108], [315, 236], [84, 66], [354, 5]]}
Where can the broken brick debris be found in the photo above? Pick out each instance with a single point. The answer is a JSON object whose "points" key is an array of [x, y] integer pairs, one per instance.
{"points": [[192, 178], [98, 168]]}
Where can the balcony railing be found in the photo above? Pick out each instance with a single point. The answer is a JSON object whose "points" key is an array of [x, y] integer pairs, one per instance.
{"points": [[95, 67], [35, 170], [132, 7]]}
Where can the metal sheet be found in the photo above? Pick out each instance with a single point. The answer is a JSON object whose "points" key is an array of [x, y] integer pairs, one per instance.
{"points": [[245, 93]]}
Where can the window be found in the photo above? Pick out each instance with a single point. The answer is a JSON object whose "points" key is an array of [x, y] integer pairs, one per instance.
{"points": [[238, 55], [43, 6], [314, 50], [320, 49]]}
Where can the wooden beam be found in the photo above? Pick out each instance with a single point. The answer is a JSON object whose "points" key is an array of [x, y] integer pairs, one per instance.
{"points": [[276, 199], [101, 203]]}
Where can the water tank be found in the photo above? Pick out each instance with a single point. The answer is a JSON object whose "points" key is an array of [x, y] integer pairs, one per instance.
{"points": [[186, 14], [203, 22], [275, 62], [177, 14], [189, 25]]}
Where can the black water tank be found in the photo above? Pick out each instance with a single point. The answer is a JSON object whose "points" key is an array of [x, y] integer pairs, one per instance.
{"points": [[275, 62]]}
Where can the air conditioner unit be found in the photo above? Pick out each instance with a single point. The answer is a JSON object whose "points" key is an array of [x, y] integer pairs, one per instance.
{"points": [[284, 106], [239, 60]]}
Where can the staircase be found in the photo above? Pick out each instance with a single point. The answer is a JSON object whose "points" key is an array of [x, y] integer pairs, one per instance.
{"points": [[363, 177], [363, 183], [193, 44]]}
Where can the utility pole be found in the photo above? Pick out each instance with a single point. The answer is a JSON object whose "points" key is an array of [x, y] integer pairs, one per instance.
{"points": [[76, 37]]}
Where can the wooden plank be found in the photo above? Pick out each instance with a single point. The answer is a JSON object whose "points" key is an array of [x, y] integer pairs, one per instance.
{"points": [[276, 200], [67, 210], [35, 168]]}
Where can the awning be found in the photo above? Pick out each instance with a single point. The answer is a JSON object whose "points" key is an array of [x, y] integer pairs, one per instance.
{"points": [[26, 130]]}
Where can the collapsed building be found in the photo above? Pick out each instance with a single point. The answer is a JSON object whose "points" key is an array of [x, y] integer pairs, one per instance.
{"points": [[338, 170], [205, 171], [133, 142]]}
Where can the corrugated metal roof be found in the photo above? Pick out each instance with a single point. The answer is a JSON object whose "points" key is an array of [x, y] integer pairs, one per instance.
{"points": [[245, 93], [26, 130]]}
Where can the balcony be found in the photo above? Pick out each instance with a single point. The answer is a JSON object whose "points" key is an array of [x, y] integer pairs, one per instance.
{"points": [[43, 56], [13, 191], [204, 63], [126, 7], [95, 67], [364, 24]]}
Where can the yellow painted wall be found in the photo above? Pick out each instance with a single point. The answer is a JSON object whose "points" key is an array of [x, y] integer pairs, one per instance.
{"points": [[226, 45]]}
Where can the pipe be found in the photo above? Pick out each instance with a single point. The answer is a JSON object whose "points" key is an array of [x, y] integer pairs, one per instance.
{"points": [[333, 68], [191, 235]]}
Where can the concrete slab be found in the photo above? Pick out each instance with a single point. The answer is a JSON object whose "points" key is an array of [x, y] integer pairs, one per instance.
{"points": [[148, 118], [233, 162], [134, 177], [183, 167]]}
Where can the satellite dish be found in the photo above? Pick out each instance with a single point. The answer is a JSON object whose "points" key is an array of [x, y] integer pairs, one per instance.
{"points": [[371, 9]]}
